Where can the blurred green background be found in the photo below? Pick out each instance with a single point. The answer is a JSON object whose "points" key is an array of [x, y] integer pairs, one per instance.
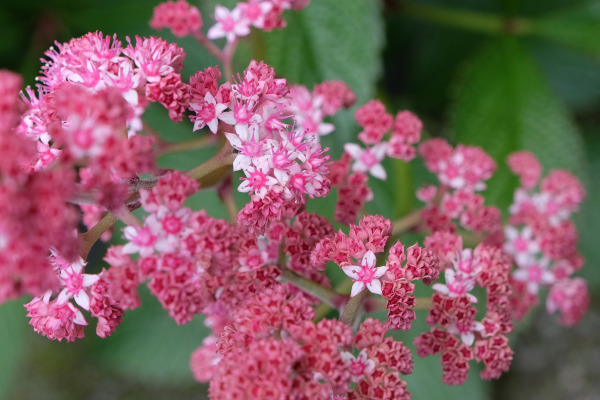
{"points": [[503, 74]]}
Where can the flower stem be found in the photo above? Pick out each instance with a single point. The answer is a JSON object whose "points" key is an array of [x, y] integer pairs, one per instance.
{"points": [[90, 237], [406, 223], [210, 46], [326, 295], [225, 192], [467, 20], [205, 171], [353, 307], [227, 59], [193, 144]]}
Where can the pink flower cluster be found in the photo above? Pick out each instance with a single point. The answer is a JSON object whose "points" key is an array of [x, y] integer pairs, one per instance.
{"points": [[281, 164], [455, 332], [392, 281], [351, 171], [398, 290], [58, 318], [261, 14], [33, 217], [273, 350], [179, 16], [461, 172], [545, 248], [258, 278]]}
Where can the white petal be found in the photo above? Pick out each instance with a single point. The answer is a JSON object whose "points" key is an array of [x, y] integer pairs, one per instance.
{"points": [[234, 140], [82, 299], [209, 98], [511, 232], [379, 150], [353, 149], [374, 286], [215, 32], [89, 280], [63, 297], [228, 118], [213, 125], [440, 287], [357, 288], [380, 271], [468, 338], [471, 298], [369, 260], [378, 172], [79, 320], [352, 271], [130, 232]]}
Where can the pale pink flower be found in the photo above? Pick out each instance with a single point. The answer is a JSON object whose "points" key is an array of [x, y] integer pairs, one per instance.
{"points": [[209, 112], [368, 160], [141, 240], [365, 275], [466, 331], [247, 141], [521, 245], [75, 283], [360, 365], [535, 274], [254, 12], [457, 284], [230, 24]]}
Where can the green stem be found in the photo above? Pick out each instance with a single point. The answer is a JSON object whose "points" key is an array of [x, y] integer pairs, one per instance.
{"points": [[193, 144], [353, 308], [90, 237], [468, 20], [224, 158], [326, 295], [406, 223]]}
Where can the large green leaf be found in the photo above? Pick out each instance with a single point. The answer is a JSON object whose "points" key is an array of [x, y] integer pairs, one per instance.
{"points": [[149, 346], [503, 104], [13, 343], [330, 40], [573, 75], [577, 26]]}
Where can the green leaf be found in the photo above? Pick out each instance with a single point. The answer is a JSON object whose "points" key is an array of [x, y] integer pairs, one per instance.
{"points": [[329, 40], [13, 339], [150, 346], [577, 27], [503, 104], [574, 76]]}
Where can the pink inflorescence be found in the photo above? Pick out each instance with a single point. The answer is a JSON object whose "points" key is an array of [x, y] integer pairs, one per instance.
{"points": [[462, 173], [282, 164], [542, 240], [455, 332], [261, 14], [351, 172], [179, 16], [79, 139]]}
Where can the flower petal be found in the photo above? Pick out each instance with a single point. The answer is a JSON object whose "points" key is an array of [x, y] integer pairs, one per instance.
{"points": [[357, 288], [374, 286], [352, 271], [369, 260]]}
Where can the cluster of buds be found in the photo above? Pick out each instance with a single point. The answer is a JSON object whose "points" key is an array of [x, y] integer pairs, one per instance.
{"points": [[77, 149]]}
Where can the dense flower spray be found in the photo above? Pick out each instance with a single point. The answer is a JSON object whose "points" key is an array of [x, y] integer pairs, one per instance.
{"points": [[77, 149]]}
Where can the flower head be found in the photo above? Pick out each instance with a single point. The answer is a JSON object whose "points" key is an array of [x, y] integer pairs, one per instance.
{"points": [[365, 275]]}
